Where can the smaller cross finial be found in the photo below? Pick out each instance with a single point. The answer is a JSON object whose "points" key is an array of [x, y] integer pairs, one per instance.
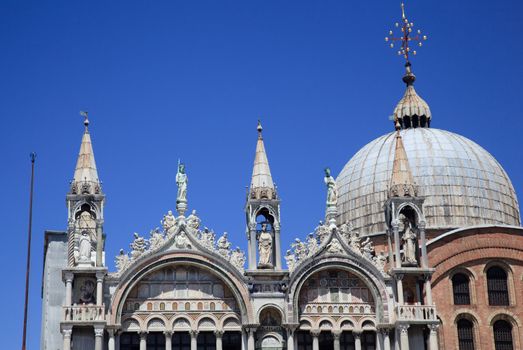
{"points": [[406, 38], [85, 114]]}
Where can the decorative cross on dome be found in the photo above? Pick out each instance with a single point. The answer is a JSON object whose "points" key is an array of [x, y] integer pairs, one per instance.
{"points": [[406, 37]]}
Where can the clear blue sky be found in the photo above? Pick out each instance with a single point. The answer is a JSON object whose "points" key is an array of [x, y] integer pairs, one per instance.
{"points": [[164, 80]]}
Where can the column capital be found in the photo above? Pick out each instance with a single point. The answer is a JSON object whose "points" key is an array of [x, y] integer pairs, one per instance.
{"points": [[404, 328], [98, 331], [291, 327], [67, 332], [193, 333], [218, 333], [168, 333], [315, 332], [68, 276], [356, 334], [336, 334], [143, 334], [433, 327], [100, 276]]}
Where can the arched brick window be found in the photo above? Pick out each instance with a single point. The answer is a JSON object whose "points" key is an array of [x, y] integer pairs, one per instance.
{"points": [[497, 286], [461, 290], [465, 334], [503, 335]]}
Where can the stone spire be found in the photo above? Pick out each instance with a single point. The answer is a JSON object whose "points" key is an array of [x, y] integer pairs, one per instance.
{"points": [[411, 111], [262, 186], [401, 183], [85, 180]]}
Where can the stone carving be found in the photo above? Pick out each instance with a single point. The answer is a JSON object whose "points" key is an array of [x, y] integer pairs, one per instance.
{"points": [[238, 258], [181, 241], [122, 261], [85, 248], [168, 222], [206, 238], [332, 192], [334, 247], [265, 248], [367, 249], [312, 244], [290, 260], [322, 231], [380, 260], [224, 246], [300, 249], [156, 240], [409, 246], [138, 246], [193, 221], [87, 291]]}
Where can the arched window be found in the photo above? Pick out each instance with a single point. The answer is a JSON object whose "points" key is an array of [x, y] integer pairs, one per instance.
{"points": [[497, 286], [465, 334], [460, 288], [503, 335]]}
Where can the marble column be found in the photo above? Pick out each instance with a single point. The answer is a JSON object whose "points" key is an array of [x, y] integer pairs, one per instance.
{"points": [[168, 340], [433, 336], [315, 339], [66, 334], [290, 338], [357, 340], [99, 288], [111, 343], [336, 339], [244, 339], [250, 339], [385, 339], [68, 288], [143, 340], [194, 340], [404, 336], [218, 335], [98, 337]]}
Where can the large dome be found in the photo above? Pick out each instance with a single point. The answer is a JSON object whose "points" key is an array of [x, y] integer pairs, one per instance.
{"points": [[462, 183]]}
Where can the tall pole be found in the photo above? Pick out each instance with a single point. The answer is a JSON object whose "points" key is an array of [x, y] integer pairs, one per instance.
{"points": [[33, 158]]}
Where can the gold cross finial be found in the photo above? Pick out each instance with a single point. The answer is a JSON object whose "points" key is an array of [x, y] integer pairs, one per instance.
{"points": [[406, 37]]}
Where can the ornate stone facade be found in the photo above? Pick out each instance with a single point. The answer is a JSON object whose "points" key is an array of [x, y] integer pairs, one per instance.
{"points": [[381, 271]]}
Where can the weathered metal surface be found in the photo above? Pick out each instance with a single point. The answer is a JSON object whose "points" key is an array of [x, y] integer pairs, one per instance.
{"points": [[462, 183]]}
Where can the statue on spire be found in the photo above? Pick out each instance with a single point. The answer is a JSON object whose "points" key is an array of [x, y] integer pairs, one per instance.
{"points": [[181, 182], [332, 196]]}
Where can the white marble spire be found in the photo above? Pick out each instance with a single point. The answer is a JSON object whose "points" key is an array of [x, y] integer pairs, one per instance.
{"points": [[85, 180], [262, 185]]}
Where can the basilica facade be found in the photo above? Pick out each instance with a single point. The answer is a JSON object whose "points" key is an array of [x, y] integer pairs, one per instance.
{"points": [[420, 248]]}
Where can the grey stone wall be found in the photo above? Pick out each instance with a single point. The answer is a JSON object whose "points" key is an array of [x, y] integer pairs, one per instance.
{"points": [[53, 289]]}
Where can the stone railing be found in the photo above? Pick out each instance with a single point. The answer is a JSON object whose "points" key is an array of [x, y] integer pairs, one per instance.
{"points": [[419, 313], [83, 313], [337, 308]]}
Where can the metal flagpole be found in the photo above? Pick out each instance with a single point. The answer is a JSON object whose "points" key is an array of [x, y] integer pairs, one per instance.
{"points": [[33, 158]]}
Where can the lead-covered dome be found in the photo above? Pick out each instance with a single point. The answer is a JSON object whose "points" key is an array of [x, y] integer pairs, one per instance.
{"points": [[462, 183]]}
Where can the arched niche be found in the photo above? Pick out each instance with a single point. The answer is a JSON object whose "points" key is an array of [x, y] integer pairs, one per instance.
{"points": [[181, 288], [328, 294], [180, 283]]}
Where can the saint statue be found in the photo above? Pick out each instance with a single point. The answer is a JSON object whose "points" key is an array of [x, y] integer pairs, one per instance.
{"points": [[290, 260], [409, 242], [224, 246], [168, 221], [332, 192], [85, 247], [265, 248], [181, 181]]}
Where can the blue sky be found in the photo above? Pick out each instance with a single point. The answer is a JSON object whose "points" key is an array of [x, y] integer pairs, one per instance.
{"points": [[165, 80]]}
